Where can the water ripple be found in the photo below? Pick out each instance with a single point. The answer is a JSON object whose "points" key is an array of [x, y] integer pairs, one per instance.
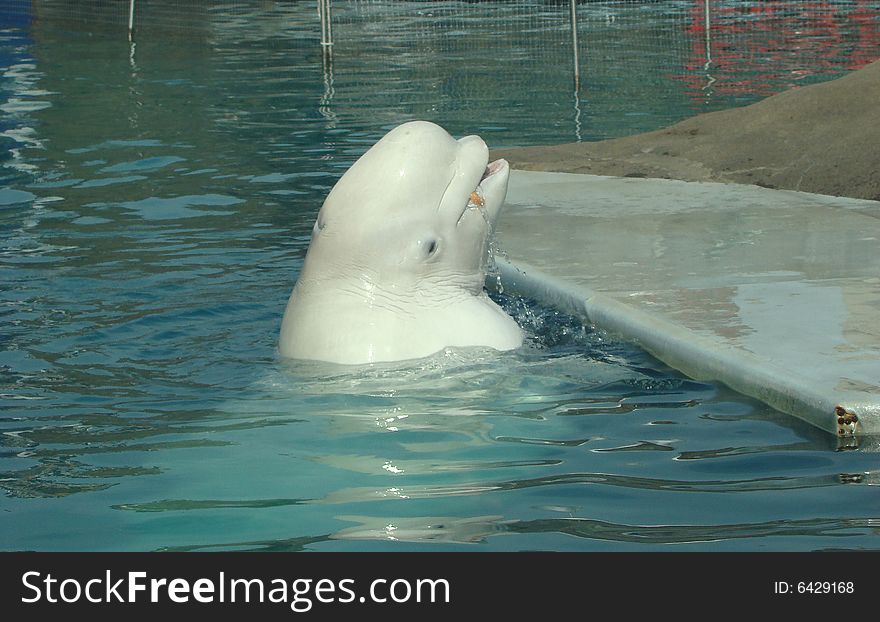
{"points": [[175, 505], [478, 529], [403, 491]]}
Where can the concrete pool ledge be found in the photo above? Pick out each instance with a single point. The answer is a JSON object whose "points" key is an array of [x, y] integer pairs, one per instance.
{"points": [[774, 293]]}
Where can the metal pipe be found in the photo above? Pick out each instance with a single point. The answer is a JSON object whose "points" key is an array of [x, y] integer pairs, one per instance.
{"points": [[326, 22], [708, 28], [130, 20], [574, 45], [329, 25]]}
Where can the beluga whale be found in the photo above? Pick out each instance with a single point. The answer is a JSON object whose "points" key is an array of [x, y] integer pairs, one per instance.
{"points": [[399, 253]]}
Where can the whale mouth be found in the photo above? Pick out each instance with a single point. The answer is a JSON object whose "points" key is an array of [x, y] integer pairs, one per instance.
{"points": [[477, 198], [493, 168]]}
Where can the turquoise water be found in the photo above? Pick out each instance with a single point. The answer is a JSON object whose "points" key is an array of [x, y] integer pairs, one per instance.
{"points": [[156, 202]]}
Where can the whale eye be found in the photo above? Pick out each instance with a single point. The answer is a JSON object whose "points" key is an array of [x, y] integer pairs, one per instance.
{"points": [[427, 247]]}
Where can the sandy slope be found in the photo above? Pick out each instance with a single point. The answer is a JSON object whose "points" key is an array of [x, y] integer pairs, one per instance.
{"points": [[823, 138]]}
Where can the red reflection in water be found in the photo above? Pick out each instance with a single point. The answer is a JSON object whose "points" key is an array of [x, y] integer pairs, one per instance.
{"points": [[761, 48]]}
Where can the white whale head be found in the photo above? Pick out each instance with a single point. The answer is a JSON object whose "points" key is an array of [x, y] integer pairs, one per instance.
{"points": [[399, 253]]}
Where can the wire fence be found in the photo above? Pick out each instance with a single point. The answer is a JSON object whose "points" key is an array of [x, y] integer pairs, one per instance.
{"points": [[633, 57], [799, 32], [723, 35]]}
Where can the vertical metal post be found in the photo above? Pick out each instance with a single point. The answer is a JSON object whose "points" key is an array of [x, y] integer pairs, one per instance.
{"points": [[708, 27], [326, 23], [574, 45], [130, 20], [324, 108], [577, 70]]}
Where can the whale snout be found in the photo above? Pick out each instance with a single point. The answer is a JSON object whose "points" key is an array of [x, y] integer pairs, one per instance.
{"points": [[475, 142]]}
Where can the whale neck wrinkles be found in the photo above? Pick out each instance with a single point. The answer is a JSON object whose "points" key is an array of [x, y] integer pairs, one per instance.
{"points": [[373, 292]]}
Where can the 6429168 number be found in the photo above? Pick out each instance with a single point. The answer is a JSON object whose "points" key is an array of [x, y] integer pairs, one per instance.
{"points": [[825, 587]]}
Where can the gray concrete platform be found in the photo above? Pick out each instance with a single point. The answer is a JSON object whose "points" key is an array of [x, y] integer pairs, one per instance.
{"points": [[775, 293]]}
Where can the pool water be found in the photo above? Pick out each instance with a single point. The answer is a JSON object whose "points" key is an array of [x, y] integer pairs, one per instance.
{"points": [[156, 202]]}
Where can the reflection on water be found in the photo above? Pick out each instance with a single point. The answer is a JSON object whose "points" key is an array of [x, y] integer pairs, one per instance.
{"points": [[151, 236]]}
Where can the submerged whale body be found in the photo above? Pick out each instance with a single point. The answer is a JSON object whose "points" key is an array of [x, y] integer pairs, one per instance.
{"points": [[399, 253]]}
